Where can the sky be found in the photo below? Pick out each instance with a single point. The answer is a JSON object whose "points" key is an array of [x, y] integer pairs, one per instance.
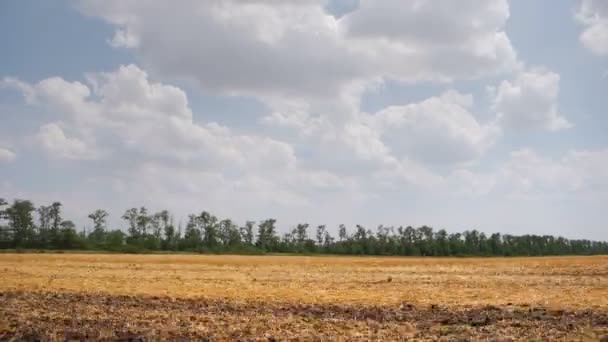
{"points": [[459, 115]]}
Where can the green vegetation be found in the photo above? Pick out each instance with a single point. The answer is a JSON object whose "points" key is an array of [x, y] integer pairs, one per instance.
{"points": [[205, 233]]}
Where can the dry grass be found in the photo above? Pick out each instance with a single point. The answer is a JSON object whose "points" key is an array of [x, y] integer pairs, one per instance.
{"points": [[560, 282]]}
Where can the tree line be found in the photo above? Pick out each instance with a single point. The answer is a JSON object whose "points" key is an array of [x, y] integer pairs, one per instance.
{"points": [[24, 226]]}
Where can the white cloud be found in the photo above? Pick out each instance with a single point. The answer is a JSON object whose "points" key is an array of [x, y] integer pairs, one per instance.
{"points": [[593, 14], [311, 69], [145, 130], [296, 49], [397, 145], [6, 155], [146, 120], [24, 88], [437, 130], [55, 143], [253, 47], [123, 38], [316, 154], [470, 183], [526, 173], [433, 39], [53, 91], [529, 101]]}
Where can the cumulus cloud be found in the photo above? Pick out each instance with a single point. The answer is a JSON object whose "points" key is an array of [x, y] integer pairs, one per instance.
{"points": [[316, 152], [253, 47], [593, 15], [6, 155], [401, 143], [55, 143], [433, 39], [529, 101], [146, 119], [277, 49], [437, 130], [311, 68], [528, 173], [146, 130]]}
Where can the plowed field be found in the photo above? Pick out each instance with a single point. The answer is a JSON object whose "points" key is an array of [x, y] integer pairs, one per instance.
{"points": [[168, 297]]}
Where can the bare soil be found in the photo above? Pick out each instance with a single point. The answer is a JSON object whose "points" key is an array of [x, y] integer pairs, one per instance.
{"points": [[61, 316]]}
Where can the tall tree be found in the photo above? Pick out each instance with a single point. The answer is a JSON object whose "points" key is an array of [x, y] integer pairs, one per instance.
{"points": [[68, 237], [204, 233], [3, 203], [229, 234], [161, 222], [301, 233], [97, 237], [247, 233], [99, 217], [342, 233], [5, 235], [171, 235], [131, 216], [442, 245], [143, 221], [267, 238], [21, 222], [224, 227], [44, 225], [44, 217], [320, 234], [192, 235], [208, 224], [55, 216]]}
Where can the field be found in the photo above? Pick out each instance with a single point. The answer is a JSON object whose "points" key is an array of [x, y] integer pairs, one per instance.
{"points": [[152, 297]]}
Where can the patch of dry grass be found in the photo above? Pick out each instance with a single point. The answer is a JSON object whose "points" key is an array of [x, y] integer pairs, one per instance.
{"points": [[552, 281]]}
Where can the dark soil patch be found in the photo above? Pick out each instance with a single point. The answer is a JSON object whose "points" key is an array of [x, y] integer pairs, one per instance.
{"points": [[34, 316]]}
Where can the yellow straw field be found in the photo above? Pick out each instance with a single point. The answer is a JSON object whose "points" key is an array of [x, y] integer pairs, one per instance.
{"points": [[550, 283]]}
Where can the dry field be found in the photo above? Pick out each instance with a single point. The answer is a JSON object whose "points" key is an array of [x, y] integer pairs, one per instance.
{"points": [[160, 297]]}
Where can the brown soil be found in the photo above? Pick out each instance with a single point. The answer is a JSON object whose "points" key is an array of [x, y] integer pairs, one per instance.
{"points": [[60, 316]]}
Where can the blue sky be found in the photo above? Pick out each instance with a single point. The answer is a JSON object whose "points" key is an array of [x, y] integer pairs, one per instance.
{"points": [[457, 116]]}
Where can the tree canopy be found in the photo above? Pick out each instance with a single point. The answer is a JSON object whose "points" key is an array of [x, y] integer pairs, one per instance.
{"points": [[22, 225]]}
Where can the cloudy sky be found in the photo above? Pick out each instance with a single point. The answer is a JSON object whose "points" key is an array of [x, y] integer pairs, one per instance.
{"points": [[456, 114]]}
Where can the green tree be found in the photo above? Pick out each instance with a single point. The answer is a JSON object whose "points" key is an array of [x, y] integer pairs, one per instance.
{"points": [[3, 203], [171, 236], [115, 240], [267, 238], [328, 240], [192, 237], [21, 223], [247, 233], [321, 233], [208, 223], [5, 235], [225, 233], [342, 233], [442, 244], [68, 237], [131, 216], [229, 235], [55, 216], [143, 221], [44, 226], [301, 236], [98, 236], [496, 244]]}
